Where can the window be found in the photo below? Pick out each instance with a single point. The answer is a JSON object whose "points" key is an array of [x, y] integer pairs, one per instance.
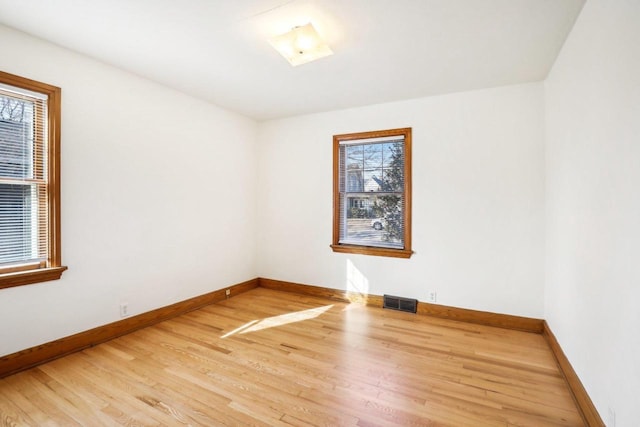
{"points": [[372, 193], [29, 181]]}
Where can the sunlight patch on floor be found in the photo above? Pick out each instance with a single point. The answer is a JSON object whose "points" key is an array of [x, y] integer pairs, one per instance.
{"points": [[275, 321]]}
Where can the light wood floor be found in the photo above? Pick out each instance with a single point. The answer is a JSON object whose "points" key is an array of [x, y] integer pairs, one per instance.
{"points": [[272, 358]]}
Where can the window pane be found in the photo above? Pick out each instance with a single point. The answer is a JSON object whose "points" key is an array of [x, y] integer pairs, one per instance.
{"points": [[373, 180], [372, 156], [355, 156], [16, 139], [372, 220], [383, 168], [393, 173], [18, 240], [355, 180]]}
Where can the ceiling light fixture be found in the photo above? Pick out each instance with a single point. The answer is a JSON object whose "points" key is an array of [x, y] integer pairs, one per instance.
{"points": [[301, 45]]}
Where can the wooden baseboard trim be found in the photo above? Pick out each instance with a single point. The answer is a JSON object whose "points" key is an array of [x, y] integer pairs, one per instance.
{"points": [[320, 292], [25, 359], [583, 401], [507, 321]]}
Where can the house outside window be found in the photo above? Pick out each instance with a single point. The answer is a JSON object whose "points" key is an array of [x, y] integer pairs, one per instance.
{"points": [[29, 181], [372, 197]]}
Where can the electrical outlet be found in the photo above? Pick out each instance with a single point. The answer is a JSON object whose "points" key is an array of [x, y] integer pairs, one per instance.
{"points": [[124, 309], [432, 296], [227, 292]]}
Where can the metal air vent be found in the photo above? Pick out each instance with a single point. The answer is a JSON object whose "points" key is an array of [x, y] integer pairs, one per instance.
{"points": [[400, 303]]}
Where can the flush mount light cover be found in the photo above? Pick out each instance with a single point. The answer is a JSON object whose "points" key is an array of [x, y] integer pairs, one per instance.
{"points": [[301, 45]]}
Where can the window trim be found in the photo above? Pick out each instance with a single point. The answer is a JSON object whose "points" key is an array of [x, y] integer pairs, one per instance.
{"points": [[406, 252], [18, 275]]}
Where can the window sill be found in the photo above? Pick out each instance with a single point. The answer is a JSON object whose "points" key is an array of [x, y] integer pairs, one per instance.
{"points": [[370, 250], [29, 277]]}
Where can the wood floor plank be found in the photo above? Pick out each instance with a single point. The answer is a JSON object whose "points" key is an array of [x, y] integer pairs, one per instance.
{"points": [[270, 358]]}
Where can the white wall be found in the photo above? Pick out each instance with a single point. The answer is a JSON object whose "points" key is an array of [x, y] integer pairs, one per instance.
{"points": [[158, 197], [159, 200], [478, 200], [593, 204]]}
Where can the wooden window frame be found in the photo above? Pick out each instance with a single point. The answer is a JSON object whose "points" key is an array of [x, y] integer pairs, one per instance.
{"points": [[52, 269], [405, 252]]}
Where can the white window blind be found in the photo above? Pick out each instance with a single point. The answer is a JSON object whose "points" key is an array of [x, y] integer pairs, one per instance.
{"points": [[23, 177]]}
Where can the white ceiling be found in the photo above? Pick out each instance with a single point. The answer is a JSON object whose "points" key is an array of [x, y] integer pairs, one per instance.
{"points": [[385, 50]]}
